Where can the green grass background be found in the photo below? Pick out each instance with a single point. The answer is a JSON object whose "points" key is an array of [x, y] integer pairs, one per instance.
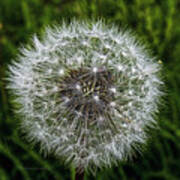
{"points": [[156, 22]]}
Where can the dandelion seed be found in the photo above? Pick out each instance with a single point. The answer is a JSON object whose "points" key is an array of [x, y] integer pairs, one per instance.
{"points": [[113, 90], [119, 67], [113, 104], [96, 98], [95, 69], [61, 71], [78, 87]]}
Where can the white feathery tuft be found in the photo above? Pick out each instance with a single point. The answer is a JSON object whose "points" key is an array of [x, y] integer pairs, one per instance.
{"points": [[87, 92]]}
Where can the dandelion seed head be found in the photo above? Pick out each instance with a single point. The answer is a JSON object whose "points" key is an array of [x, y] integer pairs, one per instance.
{"points": [[87, 91]]}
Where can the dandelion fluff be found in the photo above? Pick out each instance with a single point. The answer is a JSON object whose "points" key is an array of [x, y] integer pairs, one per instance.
{"points": [[87, 93]]}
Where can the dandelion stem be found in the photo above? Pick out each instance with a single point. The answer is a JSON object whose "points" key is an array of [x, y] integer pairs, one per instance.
{"points": [[79, 175]]}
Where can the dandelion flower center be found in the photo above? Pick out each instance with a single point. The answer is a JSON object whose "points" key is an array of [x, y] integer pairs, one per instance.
{"points": [[89, 92]]}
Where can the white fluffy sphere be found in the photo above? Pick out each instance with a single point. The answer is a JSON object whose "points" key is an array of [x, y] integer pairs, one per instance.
{"points": [[87, 92]]}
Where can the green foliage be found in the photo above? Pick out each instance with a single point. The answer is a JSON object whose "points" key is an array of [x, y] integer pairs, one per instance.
{"points": [[155, 21]]}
